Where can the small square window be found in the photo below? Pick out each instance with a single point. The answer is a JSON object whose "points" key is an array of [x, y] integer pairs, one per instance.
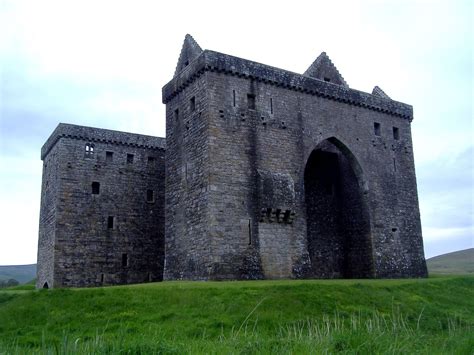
{"points": [[150, 196], [328, 80], [109, 157], [251, 101], [192, 104], [110, 222], [89, 150], [151, 161], [377, 128], [396, 133], [130, 158]]}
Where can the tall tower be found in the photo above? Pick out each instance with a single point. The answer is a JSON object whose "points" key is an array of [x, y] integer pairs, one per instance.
{"points": [[273, 174], [102, 208]]}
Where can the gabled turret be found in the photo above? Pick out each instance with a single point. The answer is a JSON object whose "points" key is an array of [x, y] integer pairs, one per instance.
{"points": [[323, 69], [190, 51], [380, 93]]}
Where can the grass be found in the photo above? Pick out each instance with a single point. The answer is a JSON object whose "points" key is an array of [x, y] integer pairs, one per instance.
{"points": [[433, 315], [457, 263]]}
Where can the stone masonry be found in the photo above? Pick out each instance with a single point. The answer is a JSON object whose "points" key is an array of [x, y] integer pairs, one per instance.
{"points": [[269, 174]]}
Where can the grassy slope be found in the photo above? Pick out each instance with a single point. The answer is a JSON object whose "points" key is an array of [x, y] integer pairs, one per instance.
{"points": [[459, 262], [427, 315], [21, 273]]}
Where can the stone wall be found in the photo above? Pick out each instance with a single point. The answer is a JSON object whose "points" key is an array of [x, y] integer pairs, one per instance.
{"points": [[109, 207], [259, 130]]}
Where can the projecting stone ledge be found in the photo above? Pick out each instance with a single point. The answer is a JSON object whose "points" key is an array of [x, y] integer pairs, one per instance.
{"points": [[230, 65]]}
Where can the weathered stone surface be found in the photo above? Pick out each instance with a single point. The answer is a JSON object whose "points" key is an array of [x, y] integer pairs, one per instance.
{"points": [[78, 243], [269, 174]]}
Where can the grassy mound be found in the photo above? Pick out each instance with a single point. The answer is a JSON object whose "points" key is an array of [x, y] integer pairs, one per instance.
{"points": [[364, 316], [456, 263]]}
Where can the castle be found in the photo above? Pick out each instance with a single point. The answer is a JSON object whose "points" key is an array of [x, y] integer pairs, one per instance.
{"points": [[264, 174]]}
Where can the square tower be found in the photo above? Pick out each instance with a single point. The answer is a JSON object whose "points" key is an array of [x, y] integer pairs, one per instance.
{"points": [[273, 174]]}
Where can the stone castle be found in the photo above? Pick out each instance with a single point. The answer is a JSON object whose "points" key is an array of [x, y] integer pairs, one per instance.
{"points": [[264, 174]]}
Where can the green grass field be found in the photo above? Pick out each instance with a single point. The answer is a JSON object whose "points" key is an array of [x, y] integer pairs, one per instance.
{"points": [[432, 316]]}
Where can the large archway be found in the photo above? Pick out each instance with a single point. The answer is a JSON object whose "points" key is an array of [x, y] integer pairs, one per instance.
{"points": [[337, 215]]}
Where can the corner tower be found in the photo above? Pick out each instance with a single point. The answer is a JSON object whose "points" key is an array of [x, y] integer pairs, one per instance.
{"points": [[272, 174]]}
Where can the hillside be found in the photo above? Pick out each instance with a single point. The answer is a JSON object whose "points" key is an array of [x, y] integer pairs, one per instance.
{"points": [[21, 273], [458, 262], [304, 316]]}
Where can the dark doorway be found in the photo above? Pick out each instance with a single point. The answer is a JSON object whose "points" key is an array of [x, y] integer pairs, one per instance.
{"points": [[338, 221], [46, 285]]}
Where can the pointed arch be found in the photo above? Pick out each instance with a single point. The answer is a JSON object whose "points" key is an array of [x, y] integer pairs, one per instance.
{"points": [[337, 213]]}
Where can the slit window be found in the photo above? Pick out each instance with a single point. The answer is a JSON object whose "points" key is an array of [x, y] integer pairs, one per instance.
{"points": [[150, 196], [396, 133], [377, 128], [95, 188], [251, 101], [233, 98], [124, 259], [250, 232], [110, 222], [176, 114], [130, 158], [271, 106], [192, 103], [109, 157]]}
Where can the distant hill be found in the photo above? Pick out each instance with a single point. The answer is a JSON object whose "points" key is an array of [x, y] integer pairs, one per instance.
{"points": [[21, 273], [458, 262]]}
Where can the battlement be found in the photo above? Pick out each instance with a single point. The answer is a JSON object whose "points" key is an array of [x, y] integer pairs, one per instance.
{"points": [[230, 65], [65, 130]]}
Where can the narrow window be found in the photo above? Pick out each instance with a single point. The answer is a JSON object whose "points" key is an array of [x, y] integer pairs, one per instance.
{"points": [[124, 260], [89, 150], [110, 222], [377, 128], [95, 188], [192, 104], [130, 158], [102, 278], [150, 196], [251, 101], [396, 133], [271, 105], [394, 165], [176, 114], [250, 232], [151, 161], [109, 157], [327, 79], [233, 97]]}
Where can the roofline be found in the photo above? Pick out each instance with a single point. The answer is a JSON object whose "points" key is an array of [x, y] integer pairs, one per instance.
{"points": [[66, 130], [235, 66]]}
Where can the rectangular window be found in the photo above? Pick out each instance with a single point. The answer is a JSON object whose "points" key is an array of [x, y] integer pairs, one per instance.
{"points": [[150, 196], [151, 161], [233, 97], [192, 103], [95, 188], [251, 101], [328, 80], [130, 158], [124, 260], [396, 133], [110, 222], [176, 114], [377, 128], [109, 157]]}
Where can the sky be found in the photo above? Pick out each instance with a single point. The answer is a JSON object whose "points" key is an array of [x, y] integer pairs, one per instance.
{"points": [[103, 64]]}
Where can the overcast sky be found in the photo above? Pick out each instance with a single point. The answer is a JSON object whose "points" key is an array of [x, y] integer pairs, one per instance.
{"points": [[103, 63]]}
